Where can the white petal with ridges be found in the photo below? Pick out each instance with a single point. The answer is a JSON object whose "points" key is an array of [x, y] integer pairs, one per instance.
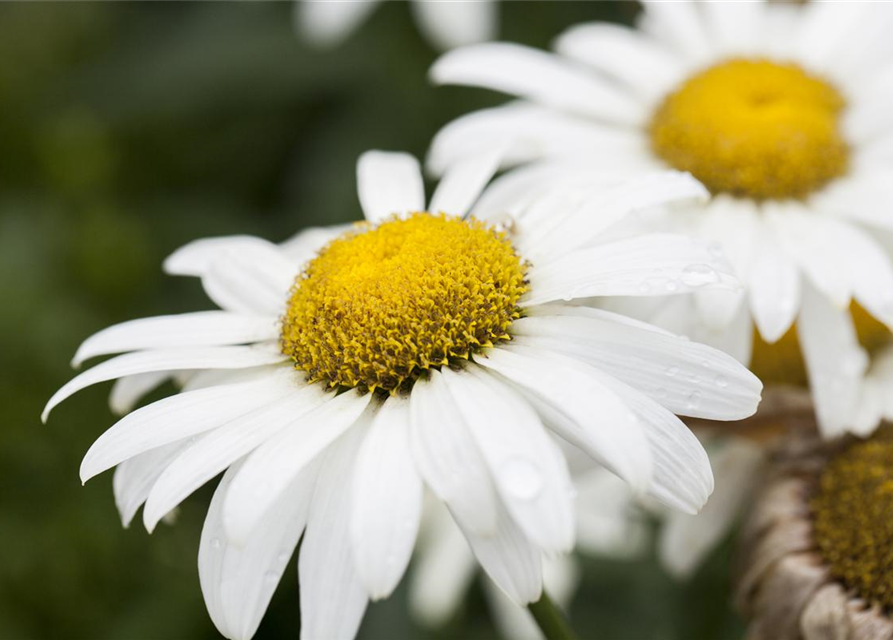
{"points": [[389, 183], [253, 280], [463, 183], [129, 390], [135, 476], [196, 257], [387, 500], [774, 282]]}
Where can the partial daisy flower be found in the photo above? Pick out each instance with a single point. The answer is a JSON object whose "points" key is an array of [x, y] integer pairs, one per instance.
{"points": [[443, 23], [422, 347], [816, 551], [784, 112]]}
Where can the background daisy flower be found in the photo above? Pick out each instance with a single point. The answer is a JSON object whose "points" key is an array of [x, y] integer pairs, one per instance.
{"points": [[785, 113], [416, 349], [445, 24]]}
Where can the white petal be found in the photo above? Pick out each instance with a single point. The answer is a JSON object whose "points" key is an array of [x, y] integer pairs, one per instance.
{"points": [[332, 596], [463, 183], [678, 469], [509, 559], [389, 183], [127, 391], [387, 500], [182, 416], [686, 540], [454, 24], [199, 329], [272, 466], [163, 360], [824, 30], [834, 361], [537, 76], [134, 477], [734, 27], [611, 204], [328, 24], [304, 245], [196, 257], [679, 25], [642, 64], [442, 571], [253, 280], [866, 198], [608, 523], [238, 581], [685, 377], [530, 132], [656, 264], [579, 409], [448, 456], [774, 283], [529, 472], [511, 619], [217, 450]]}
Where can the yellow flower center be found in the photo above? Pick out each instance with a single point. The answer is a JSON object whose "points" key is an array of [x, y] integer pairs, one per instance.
{"points": [[753, 128], [782, 361], [853, 517], [380, 305]]}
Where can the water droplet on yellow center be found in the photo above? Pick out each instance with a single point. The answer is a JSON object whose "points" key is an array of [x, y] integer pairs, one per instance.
{"points": [[853, 517], [753, 128], [380, 305]]}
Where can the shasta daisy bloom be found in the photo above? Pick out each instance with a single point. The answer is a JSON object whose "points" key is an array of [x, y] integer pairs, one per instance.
{"points": [[444, 23], [816, 551], [421, 348], [784, 112]]}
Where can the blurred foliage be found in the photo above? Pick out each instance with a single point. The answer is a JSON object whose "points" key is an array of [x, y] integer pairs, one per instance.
{"points": [[128, 129]]}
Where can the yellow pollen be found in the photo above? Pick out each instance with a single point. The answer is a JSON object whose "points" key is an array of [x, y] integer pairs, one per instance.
{"points": [[753, 128], [380, 305], [782, 361], [853, 517]]}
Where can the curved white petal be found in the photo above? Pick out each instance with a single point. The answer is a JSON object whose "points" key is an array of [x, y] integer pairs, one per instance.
{"points": [[537, 76], [685, 377], [679, 25], [304, 245], [389, 183], [580, 409], [834, 360], [224, 445], [531, 132], [238, 581], [328, 24], [865, 197], [163, 360], [463, 183], [529, 472], [270, 468], [608, 522], [386, 499], [642, 64], [135, 476], [127, 391], [734, 28], [774, 286], [253, 280], [655, 264], [454, 24], [332, 596], [198, 329], [195, 258], [182, 416], [448, 456]]}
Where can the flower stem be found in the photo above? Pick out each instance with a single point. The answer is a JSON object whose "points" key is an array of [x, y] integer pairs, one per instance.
{"points": [[550, 620]]}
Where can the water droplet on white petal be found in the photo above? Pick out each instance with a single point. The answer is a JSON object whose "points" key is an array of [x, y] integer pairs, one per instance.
{"points": [[721, 381], [215, 543], [672, 371], [694, 400], [698, 275], [522, 478], [715, 249], [271, 576]]}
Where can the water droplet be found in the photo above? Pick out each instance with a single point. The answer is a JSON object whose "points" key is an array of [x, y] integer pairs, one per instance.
{"points": [[215, 543], [671, 286], [698, 275], [284, 556], [271, 576], [722, 382], [672, 371], [694, 400], [715, 249], [522, 478]]}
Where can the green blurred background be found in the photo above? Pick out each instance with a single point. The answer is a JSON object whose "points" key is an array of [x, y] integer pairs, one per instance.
{"points": [[129, 129]]}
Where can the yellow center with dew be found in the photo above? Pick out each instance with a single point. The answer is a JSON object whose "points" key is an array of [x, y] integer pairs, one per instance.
{"points": [[853, 517], [380, 305], [754, 129]]}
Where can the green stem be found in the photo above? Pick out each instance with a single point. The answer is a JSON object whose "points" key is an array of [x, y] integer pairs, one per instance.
{"points": [[550, 620]]}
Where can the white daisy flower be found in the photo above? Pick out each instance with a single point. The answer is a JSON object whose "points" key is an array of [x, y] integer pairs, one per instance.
{"points": [[443, 23], [784, 112], [417, 349]]}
